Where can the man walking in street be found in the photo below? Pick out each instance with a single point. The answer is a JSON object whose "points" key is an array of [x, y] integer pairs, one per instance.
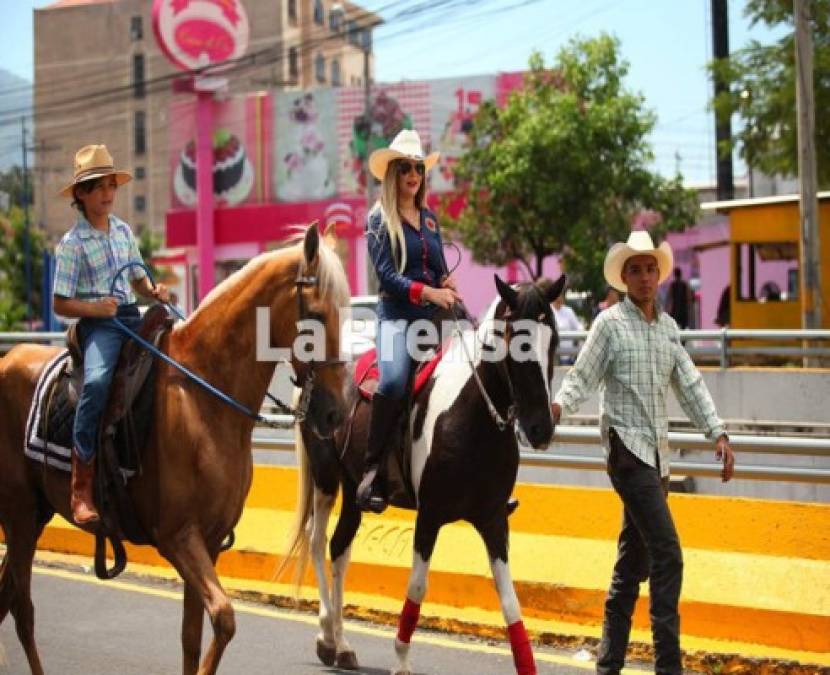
{"points": [[632, 355]]}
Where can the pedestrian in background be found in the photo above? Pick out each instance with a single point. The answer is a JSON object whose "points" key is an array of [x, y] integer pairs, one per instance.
{"points": [[679, 300], [566, 319], [632, 354]]}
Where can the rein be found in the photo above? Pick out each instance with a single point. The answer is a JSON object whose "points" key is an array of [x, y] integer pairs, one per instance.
{"points": [[499, 421], [299, 412]]}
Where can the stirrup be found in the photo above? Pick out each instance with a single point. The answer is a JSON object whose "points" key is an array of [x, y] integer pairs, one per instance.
{"points": [[368, 498]]}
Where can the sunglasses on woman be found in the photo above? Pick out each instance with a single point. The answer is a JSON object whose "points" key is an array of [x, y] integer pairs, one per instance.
{"points": [[405, 167]]}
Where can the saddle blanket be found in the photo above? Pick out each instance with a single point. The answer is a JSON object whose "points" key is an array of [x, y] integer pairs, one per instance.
{"points": [[37, 446]]}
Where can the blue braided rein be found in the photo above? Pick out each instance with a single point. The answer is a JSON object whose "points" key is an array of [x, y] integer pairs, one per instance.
{"points": [[222, 396]]}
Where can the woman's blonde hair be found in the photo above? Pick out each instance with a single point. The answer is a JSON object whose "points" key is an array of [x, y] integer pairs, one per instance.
{"points": [[387, 204]]}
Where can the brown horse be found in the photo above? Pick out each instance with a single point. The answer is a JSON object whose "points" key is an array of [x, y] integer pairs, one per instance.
{"points": [[197, 467], [463, 465]]}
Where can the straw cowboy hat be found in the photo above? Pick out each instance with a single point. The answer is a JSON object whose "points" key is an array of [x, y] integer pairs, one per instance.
{"points": [[407, 145], [639, 243], [91, 162]]}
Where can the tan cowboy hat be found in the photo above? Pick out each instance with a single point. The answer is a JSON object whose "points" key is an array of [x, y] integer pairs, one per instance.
{"points": [[91, 162], [639, 243], [407, 145]]}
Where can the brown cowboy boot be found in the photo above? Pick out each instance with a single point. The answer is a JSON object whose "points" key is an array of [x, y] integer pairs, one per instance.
{"points": [[83, 508], [384, 428]]}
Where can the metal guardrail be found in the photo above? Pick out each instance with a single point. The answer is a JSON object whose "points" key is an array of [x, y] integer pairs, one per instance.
{"points": [[718, 343], [701, 343], [582, 435]]}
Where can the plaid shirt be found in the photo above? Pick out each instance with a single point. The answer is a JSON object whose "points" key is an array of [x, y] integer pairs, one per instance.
{"points": [[633, 362], [88, 259]]}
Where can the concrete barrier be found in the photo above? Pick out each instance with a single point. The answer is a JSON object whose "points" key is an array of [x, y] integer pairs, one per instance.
{"points": [[756, 572]]}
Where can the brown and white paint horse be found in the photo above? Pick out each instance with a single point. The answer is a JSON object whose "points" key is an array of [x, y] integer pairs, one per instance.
{"points": [[197, 467], [464, 466]]}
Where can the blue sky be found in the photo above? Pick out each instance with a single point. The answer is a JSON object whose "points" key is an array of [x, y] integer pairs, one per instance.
{"points": [[667, 43]]}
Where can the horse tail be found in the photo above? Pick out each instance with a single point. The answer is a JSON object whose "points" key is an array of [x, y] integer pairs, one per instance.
{"points": [[299, 543]]}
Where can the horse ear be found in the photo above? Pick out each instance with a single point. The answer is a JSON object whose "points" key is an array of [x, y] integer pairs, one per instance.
{"points": [[330, 236], [509, 295], [311, 243], [556, 288]]}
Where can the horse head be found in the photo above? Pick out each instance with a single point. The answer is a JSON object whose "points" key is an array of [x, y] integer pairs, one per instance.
{"points": [[322, 292], [531, 340]]}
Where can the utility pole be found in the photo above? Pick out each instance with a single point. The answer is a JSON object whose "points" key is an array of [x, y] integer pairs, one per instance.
{"points": [[811, 301], [723, 128], [27, 252]]}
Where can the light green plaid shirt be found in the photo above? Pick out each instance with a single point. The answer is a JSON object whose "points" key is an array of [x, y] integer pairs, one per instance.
{"points": [[633, 362]]}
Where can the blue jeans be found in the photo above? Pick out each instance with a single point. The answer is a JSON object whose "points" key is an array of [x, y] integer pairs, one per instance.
{"points": [[394, 362], [101, 342]]}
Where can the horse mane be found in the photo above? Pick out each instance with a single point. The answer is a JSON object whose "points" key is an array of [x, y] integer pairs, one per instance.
{"points": [[332, 281]]}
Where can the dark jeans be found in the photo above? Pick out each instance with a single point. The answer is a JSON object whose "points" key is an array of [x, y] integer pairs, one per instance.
{"points": [[648, 548]]}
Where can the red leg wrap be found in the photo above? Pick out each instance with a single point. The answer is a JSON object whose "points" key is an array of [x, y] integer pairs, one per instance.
{"points": [[522, 654], [409, 619]]}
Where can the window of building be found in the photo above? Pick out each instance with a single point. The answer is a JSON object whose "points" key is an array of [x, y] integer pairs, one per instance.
{"points": [[766, 271], [319, 17], [366, 39], [336, 19], [140, 203], [138, 75], [293, 64], [140, 132], [292, 10], [136, 28], [140, 173], [335, 72], [353, 32], [320, 68]]}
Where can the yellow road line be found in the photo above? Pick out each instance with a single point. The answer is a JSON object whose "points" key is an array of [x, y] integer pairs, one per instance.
{"points": [[312, 621]]}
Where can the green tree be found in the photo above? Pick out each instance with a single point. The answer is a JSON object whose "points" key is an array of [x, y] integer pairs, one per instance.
{"points": [[563, 167], [761, 91], [13, 270], [11, 182]]}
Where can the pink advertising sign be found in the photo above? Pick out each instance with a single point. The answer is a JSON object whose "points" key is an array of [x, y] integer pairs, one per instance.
{"points": [[195, 34]]}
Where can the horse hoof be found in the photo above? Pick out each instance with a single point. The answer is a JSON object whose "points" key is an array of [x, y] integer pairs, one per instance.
{"points": [[326, 653], [347, 660]]}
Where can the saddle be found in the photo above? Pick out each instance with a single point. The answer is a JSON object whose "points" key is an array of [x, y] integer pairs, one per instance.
{"points": [[396, 471], [124, 430]]}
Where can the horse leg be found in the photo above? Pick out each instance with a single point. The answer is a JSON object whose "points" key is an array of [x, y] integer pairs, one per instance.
{"points": [[495, 535], [323, 504], [192, 620], [341, 548], [189, 555], [16, 594], [426, 533]]}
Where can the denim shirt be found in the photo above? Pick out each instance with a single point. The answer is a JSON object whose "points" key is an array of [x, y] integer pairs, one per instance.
{"points": [[425, 266]]}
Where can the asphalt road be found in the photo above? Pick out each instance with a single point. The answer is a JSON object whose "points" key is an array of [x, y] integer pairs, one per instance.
{"points": [[131, 627]]}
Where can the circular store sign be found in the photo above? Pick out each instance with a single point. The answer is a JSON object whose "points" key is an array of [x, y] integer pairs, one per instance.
{"points": [[194, 34]]}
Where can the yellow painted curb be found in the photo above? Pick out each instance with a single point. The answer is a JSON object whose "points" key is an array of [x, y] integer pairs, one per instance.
{"points": [[755, 571]]}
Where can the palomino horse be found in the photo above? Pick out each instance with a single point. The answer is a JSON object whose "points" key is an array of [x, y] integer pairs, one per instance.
{"points": [[465, 458], [197, 466]]}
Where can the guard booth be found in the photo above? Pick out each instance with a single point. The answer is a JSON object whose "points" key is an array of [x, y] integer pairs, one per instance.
{"points": [[765, 260]]}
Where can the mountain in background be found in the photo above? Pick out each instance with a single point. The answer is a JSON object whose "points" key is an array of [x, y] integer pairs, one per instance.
{"points": [[15, 96]]}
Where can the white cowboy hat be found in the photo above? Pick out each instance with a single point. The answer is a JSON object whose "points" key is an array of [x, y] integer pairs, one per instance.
{"points": [[407, 145], [639, 243], [91, 162]]}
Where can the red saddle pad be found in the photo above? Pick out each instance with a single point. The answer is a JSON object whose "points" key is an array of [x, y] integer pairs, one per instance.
{"points": [[366, 373]]}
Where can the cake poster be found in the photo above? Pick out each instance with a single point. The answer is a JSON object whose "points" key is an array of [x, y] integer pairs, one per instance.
{"points": [[392, 108], [305, 152], [239, 141], [454, 103]]}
